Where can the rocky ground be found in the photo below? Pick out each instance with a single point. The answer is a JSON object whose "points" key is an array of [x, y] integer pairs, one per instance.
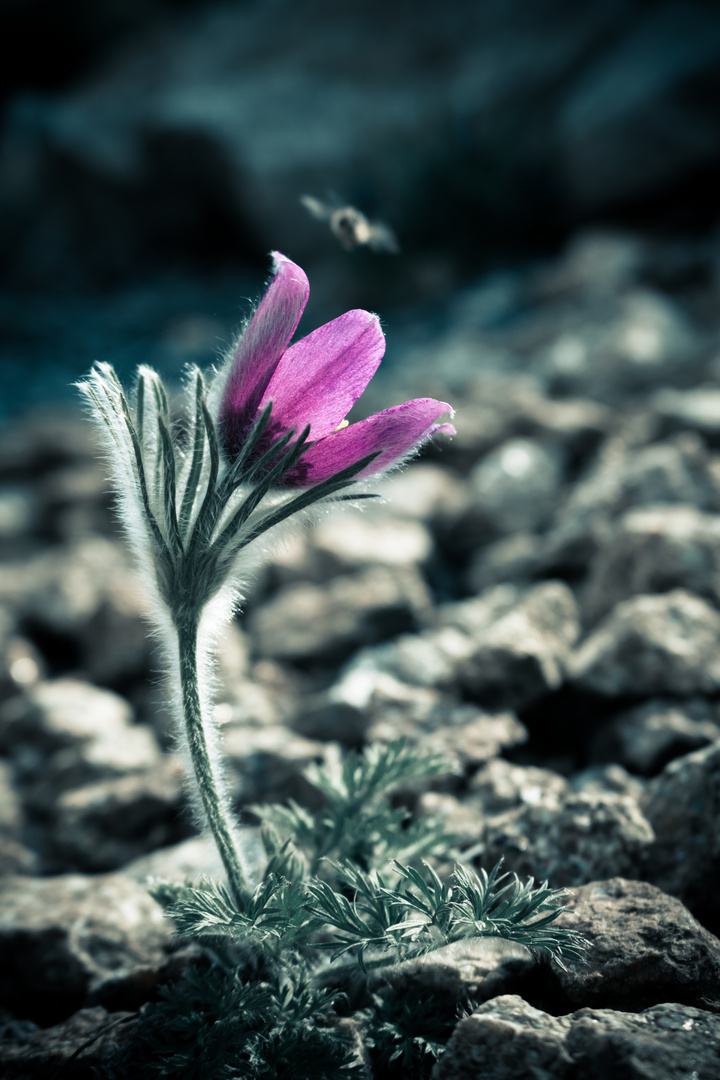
{"points": [[539, 599]]}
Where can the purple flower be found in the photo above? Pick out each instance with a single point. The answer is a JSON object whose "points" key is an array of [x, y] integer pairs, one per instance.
{"points": [[316, 381]]}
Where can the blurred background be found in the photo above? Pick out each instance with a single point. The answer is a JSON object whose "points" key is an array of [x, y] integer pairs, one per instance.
{"points": [[152, 152], [550, 169]]}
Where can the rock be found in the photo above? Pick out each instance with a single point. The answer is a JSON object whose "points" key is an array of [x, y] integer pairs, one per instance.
{"points": [[21, 665], [396, 689], [190, 860], [102, 826], [650, 645], [66, 733], [456, 975], [655, 551], [500, 786], [610, 347], [463, 735], [44, 439], [630, 476], [353, 540], [60, 714], [695, 410], [524, 655], [669, 1041], [683, 806], [11, 815], [418, 493], [309, 624], [15, 858], [517, 559], [85, 596], [75, 501], [646, 738], [645, 948], [41, 1053], [596, 263], [267, 764], [517, 486], [601, 779], [588, 836], [429, 660], [61, 938], [506, 1038]]}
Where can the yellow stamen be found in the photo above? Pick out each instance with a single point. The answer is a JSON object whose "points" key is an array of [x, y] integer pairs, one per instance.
{"points": [[341, 425]]}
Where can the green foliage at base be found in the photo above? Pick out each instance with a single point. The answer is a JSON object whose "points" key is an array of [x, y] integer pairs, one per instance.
{"points": [[331, 907]]}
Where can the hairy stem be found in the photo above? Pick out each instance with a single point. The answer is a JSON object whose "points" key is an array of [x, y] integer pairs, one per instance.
{"points": [[207, 782]]}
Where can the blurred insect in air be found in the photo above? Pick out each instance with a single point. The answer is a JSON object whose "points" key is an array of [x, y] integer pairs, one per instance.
{"points": [[350, 225]]}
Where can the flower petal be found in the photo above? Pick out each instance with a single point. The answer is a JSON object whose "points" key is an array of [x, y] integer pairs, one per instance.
{"points": [[321, 377], [260, 349], [394, 432]]}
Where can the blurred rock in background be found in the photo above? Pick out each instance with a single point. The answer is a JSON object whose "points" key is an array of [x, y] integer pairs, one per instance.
{"points": [[152, 154]]}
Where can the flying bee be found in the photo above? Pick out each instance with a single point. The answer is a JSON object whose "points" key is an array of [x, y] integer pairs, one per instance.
{"points": [[350, 225]]}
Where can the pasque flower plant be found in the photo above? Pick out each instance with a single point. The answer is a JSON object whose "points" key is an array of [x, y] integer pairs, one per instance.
{"points": [[265, 440]]}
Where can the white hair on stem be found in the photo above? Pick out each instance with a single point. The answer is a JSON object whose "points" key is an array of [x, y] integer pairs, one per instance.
{"points": [[195, 524]]}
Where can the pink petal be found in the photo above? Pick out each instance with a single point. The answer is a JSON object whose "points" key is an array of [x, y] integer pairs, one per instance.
{"points": [[394, 432], [321, 377], [261, 348]]}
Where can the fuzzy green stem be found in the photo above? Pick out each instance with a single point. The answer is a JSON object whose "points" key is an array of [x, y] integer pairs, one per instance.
{"points": [[187, 629]]}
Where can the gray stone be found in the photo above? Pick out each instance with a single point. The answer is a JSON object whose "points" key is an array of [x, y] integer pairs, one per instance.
{"points": [[391, 690], [60, 714], [473, 970], [505, 1039], [463, 735], [667, 1041], [517, 486], [429, 659], [61, 938], [65, 733], [517, 559], [501, 786], [629, 475], [654, 551], [102, 826], [588, 836], [609, 346], [595, 262], [11, 815], [524, 655], [267, 764], [310, 624], [601, 779], [16, 858], [682, 804], [418, 493], [647, 737], [349, 540], [644, 948], [695, 410], [193, 859], [41, 1053], [87, 592], [651, 645], [21, 665]]}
